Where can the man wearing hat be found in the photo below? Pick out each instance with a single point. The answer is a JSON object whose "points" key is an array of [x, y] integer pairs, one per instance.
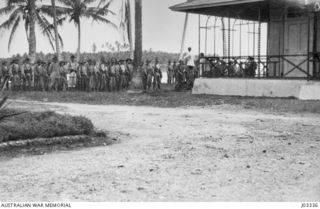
{"points": [[112, 75], [251, 67], [27, 74], [157, 75], [84, 79], [41, 75], [54, 71], [15, 74], [72, 73], [149, 72], [4, 75]]}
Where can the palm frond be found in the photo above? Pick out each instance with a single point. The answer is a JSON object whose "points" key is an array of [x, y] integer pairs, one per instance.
{"points": [[61, 41], [99, 18], [69, 3], [15, 2], [13, 31], [6, 10], [44, 26], [9, 22], [60, 11], [88, 1], [104, 1]]}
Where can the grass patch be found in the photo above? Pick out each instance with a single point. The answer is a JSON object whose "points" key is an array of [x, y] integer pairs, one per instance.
{"points": [[168, 98], [43, 125]]}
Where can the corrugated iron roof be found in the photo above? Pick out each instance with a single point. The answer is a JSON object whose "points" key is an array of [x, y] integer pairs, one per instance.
{"points": [[197, 4]]}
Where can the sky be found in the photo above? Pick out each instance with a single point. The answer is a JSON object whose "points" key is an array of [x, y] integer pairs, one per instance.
{"points": [[162, 31]]}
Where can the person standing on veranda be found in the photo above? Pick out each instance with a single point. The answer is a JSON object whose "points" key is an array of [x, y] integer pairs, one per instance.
{"points": [[189, 59]]}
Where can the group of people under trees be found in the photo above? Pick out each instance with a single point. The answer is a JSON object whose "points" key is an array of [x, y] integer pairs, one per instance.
{"points": [[115, 75], [90, 75], [86, 75]]}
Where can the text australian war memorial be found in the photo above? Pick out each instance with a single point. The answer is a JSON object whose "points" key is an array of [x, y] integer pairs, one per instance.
{"points": [[280, 36]]}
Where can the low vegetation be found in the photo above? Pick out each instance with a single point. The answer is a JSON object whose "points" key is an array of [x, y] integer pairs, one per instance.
{"points": [[44, 125], [168, 98]]}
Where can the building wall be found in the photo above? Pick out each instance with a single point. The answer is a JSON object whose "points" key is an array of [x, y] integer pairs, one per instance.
{"points": [[275, 40], [278, 38]]}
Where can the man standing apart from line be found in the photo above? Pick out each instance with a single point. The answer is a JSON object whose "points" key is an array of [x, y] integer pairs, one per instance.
{"points": [[189, 59]]}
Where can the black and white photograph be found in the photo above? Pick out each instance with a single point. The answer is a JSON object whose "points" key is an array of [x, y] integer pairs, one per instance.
{"points": [[169, 103]]}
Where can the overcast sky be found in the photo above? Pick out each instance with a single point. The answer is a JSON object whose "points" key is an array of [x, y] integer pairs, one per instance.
{"points": [[162, 31]]}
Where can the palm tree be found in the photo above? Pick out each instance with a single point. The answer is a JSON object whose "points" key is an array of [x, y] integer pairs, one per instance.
{"points": [[137, 76], [138, 33], [78, 9], [28, 13], [55, 26]]}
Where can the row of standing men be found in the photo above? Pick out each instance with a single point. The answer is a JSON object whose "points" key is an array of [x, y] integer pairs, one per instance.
{"points": [[88, 75]]}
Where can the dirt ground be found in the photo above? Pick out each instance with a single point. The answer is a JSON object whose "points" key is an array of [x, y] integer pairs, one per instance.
{"points": [[218, 153]]}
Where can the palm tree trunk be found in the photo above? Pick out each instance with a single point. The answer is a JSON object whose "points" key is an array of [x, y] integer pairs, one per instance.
{"points": [[79, 41], [53, 3], [137, 76], [138, 33], [130, 30], [32, 33]]}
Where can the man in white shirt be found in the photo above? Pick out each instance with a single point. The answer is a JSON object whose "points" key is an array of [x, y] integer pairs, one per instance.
{"points": [[189, 59]]}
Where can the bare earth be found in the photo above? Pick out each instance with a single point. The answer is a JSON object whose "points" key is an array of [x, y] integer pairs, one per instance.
{"points": [[175, 154]]}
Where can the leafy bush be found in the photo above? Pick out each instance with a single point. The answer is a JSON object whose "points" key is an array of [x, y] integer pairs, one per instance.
{"points": [[43, 124]]}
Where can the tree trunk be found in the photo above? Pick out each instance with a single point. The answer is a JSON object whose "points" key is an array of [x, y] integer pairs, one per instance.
{"points": [[137, 76], [79, 42], [53, 2], [130, 30], [32, 33]]}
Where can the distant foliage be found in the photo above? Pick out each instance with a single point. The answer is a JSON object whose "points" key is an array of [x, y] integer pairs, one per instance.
{"points": [[163, 57]]}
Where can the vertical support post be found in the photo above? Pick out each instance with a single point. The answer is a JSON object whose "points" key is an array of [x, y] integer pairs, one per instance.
{"points": [[229, 38], [254, 39], [282, 46], [184, 34], [259, 43], [240, 39], [199, 35], [206, 35], [315, 43], [308, 64], [215, 36]]}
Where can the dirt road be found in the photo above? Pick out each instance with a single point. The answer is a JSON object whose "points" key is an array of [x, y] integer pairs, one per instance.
{"points": [[175, 154]]}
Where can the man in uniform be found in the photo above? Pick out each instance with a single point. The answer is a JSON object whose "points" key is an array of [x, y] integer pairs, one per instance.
{"points": [[251, 67], [130, 68], [103, 72], [42, 75], [149, 71], [91, 76], [27, 75], [5, 75], [118, 75], [63, 76], [112, 75], [157, 76], [72, 73], [189, 59], [54, 71], [15, 74], [122, 70], [83, 67], [169, 73]]}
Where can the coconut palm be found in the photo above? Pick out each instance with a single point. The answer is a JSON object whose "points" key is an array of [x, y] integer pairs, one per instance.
{"points": [[138, 32], [78, 9], [55, 26], [136, 83], [28, 13]]}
